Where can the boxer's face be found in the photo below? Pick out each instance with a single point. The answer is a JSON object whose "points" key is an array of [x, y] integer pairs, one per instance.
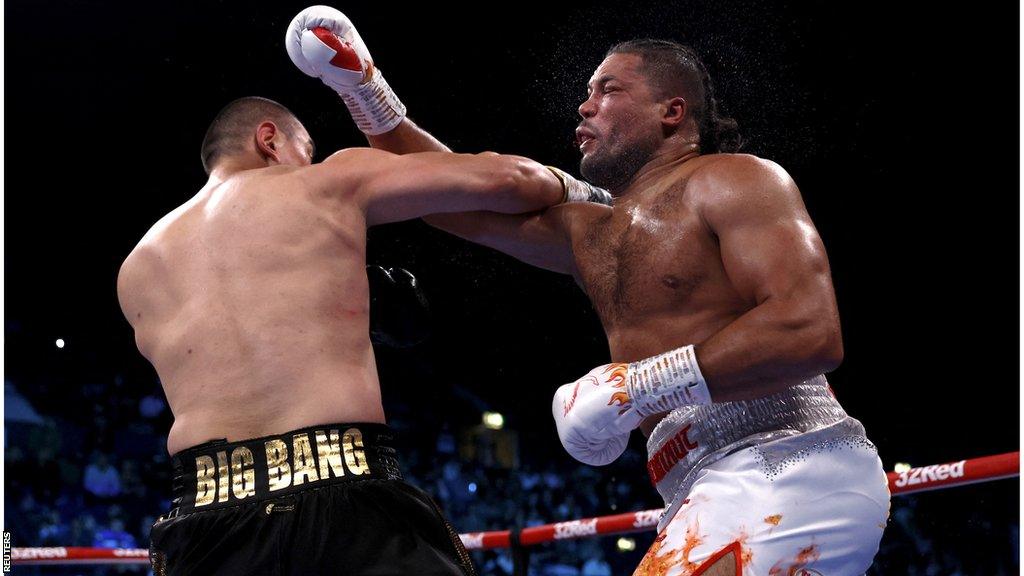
{"points": [[621, 126]]}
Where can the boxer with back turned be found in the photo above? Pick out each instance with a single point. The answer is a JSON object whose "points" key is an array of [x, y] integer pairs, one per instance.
{"points": [[251, 301]]}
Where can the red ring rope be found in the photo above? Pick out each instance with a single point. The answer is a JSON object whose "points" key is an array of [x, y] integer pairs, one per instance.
{"points": [[920, 479]]}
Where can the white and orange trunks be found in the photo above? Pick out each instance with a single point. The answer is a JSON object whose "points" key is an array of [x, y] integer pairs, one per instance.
{"points": [[786, 485]]}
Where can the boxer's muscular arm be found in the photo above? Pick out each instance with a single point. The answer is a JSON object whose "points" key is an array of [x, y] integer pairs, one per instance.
{"points": [[391, 188], [775, 259], [322, 42], [537, 239], [540, 239]]}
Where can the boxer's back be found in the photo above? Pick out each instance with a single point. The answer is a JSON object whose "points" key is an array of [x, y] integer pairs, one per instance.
{"points": [[251, 301]]}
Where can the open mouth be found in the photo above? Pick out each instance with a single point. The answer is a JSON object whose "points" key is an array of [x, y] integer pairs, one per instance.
{"points": [[584, 137]]}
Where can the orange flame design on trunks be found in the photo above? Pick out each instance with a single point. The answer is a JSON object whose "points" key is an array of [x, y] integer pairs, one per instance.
{"points": [[799, 566], [616, 376], [744, 555], [658, 562]]}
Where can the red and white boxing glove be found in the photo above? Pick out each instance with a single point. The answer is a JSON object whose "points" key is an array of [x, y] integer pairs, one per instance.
{"points": [[595, 414], [323, 43]]}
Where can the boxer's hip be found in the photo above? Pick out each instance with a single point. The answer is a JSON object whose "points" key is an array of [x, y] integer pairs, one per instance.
{"points": [[821, 510], [220, 474], [693, 437], [324, 499]]}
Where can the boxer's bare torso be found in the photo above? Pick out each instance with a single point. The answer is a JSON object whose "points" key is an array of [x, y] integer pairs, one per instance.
{"points": [[658, 274], [653, 266], [251, 301]]}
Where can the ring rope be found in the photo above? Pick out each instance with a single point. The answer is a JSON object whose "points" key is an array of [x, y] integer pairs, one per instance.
{"points": [[920, 479]]}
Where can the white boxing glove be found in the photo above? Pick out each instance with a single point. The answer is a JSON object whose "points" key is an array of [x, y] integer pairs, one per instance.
{"points": [[595, 414], [323, 43], [587, 415]]}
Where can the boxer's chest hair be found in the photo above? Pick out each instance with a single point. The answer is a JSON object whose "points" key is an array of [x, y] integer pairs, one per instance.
{"points": [[646, 259]]}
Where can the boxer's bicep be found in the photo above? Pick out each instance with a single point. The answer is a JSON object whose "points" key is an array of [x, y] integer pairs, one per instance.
{"points": [[769, 247], [774, 259], [768, 257], [392, 188]]}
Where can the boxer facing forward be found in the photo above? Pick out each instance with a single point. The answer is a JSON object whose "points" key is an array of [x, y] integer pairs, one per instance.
{"points": [[714, 291], [251, 302]]}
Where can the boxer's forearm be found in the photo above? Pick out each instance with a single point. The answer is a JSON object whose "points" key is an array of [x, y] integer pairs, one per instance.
{"points": [[775, 345], [535, 239], [502, 232], [407, 138], [465, 225]]}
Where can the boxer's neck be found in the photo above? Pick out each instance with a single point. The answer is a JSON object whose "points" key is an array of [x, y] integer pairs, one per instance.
{"points": [[666, 159], [232, 165]]}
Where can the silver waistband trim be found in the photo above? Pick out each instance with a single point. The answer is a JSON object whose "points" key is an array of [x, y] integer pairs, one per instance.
{"points": [[701, 435]]}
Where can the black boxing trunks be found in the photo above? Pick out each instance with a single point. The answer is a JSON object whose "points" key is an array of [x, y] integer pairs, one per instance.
{"points": [[326, 499]]}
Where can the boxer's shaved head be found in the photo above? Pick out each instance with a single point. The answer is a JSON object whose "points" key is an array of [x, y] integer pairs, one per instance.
{"points": [[235, 123]]}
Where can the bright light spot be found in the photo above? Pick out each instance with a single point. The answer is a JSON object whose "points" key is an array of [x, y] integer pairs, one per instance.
{"points": [[902, 467], [472, 487], [625, 544], [60, 342], [494, 420]]}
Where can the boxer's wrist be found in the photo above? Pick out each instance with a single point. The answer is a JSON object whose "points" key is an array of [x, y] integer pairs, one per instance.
{"points": [[373, 105], [576, 190], [666, 381]]}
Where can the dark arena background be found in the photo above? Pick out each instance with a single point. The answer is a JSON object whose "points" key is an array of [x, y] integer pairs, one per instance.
{"points": [[898, 124]]}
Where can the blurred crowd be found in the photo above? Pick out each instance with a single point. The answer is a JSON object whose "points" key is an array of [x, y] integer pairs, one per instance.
{"points": [[92, 470]]}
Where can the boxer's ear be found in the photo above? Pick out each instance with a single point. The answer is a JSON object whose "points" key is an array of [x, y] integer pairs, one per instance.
{"points": [[266, 135], [675, 112]]}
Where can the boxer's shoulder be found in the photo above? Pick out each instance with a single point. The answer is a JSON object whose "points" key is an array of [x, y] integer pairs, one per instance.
{"points": [[727, 183], [339, 176], [139, 268], [355, 155], [729, 172], [348, 165]]}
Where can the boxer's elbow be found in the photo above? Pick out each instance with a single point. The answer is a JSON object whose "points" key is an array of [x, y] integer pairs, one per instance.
{"points": [[829, 350], [820, 346]]}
